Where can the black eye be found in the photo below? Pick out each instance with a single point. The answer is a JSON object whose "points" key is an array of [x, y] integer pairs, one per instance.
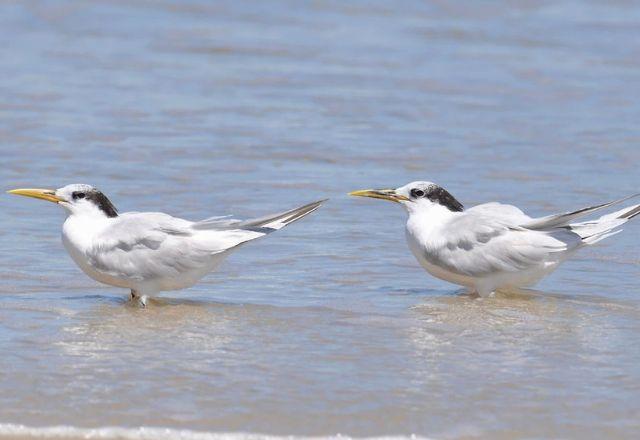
{"points": [[417, 193], [78, 195]]}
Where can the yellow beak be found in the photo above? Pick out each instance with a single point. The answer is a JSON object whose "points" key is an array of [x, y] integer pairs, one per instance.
{"points": [[384, 194], [36, 193]]}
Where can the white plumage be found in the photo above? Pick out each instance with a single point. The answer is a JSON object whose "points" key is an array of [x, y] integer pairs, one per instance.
{"points": [[149, 252], [493, 246]]}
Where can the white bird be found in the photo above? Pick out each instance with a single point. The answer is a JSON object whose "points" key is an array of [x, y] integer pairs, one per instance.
{"points": [[493, 246], [149, 252]]}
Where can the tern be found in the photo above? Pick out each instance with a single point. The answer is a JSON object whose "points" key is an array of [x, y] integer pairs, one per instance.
{"points": [[493, 246], [150, 252]]}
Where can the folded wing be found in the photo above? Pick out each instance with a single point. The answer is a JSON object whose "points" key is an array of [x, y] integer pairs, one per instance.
{"points": [[147, 246], [495, 237], [144, 246], [556, 220], [479, 245], [264, 224]]}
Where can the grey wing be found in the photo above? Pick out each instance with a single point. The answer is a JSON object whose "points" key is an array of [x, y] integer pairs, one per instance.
{"points": [[141, 246], [478, 245], [496, 237], [264, 224], [507, 214], [558, 220]]}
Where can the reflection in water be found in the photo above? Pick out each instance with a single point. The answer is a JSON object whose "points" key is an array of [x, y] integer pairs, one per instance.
{"points": [[517, 350], [193, 326], [522, 317]]}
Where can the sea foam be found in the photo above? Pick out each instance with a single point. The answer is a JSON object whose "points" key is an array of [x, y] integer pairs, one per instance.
{"points": [[15, 431]]}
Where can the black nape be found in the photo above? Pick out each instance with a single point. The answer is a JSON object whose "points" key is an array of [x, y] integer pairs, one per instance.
{"points": [[102, 202], [439, 195]]}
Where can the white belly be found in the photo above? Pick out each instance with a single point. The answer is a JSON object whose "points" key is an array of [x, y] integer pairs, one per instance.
{"points": [[183, 280], [149, 286], [490, 283]]}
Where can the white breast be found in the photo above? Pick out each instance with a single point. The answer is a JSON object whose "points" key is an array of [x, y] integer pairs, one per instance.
{"points": [[78, 234]]}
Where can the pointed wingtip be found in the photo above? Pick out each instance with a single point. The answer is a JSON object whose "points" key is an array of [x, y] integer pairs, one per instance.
{"points": [[319, 203], [311, 206], [304, 211], [631, 213], [555, 220]]}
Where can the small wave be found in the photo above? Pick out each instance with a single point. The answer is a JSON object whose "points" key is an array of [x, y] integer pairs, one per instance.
{"points": [[14, 431]]}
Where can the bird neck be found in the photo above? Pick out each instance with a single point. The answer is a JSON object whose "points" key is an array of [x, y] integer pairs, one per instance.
{"points": [[428, 220], [431, 212], [87, 221], [87, 211], [80, 230]]}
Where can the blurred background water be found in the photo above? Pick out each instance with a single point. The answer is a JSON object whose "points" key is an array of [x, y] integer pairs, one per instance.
{"points": [[202, 108]]}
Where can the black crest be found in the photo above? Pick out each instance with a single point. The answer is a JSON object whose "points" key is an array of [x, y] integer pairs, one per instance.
{"points": [[441, 196], [102, 202]]}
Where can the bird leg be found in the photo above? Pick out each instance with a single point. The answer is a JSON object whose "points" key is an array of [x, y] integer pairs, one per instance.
{"points": [[141, 300], [480, 292], [473, 293]]}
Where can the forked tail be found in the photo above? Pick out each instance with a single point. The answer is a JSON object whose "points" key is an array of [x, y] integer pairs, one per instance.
{"points": [[593, 231]]}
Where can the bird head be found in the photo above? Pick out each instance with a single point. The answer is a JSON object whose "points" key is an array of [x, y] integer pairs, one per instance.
{"points": [[415, 196], [77, 199]]}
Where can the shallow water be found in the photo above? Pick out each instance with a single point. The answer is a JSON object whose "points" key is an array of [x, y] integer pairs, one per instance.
{"points": [[329, 326]]}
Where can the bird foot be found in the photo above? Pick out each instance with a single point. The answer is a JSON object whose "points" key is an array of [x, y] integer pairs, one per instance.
{"points": [[137, 299], [477, 294]]}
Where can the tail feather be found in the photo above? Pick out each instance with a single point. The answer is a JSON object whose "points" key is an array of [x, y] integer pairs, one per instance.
{"points": [[592, 239], [264, 224], [595, 230]]}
